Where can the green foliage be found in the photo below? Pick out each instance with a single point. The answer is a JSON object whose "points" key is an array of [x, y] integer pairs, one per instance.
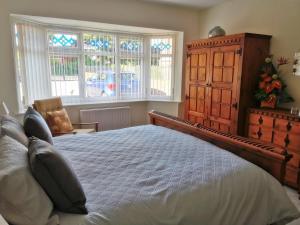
{"points": [[261, 95]]}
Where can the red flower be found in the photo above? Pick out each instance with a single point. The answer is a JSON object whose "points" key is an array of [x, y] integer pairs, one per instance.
{"points": [[276, 84], [269, 88]]}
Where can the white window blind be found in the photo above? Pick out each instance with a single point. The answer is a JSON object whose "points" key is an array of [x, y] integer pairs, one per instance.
{"points": [[91, 66], [31, 62]]}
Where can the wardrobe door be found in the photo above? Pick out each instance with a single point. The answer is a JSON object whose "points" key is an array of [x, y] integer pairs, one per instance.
{"points": [[197, 70], [223, 87]]}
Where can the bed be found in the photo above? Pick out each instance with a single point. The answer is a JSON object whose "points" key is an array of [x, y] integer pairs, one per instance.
{"points": [[175, 173]]}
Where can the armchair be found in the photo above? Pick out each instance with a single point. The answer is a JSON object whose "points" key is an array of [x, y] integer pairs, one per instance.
{"points": [[46, 106]]}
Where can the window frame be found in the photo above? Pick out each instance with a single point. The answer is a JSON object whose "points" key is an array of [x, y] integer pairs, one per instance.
{"points": [[172, 81], [78, 51]]}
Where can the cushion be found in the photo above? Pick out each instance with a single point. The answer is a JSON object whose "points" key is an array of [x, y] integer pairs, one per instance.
{"points": [[56, 176], [22, 200], [36, 126], [14, 129], [59, 122]]}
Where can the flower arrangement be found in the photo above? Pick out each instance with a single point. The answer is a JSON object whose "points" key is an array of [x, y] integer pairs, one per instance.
{"points": [[272, 89]]}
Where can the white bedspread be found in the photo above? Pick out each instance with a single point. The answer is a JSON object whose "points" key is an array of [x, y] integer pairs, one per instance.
{"points": [[151, 175]]}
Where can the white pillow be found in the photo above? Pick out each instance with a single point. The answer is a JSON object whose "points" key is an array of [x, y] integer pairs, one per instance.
{"points": [[2, 221], [23, 201]]}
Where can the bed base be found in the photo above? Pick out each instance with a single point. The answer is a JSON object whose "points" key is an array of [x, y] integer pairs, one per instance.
{"points": [[271, 158]]}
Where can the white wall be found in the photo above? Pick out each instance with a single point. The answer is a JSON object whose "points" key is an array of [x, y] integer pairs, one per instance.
{"points": [[124, 12], [279, 18]]}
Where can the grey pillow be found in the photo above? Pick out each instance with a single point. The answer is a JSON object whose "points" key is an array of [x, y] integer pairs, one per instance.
{"points": [[14, 129], [36, 126], [22, 199], [57, 178]]}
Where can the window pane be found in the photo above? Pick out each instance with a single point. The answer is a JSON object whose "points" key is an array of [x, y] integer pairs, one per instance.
{"points": [[99, 42], [131, 56], [100, 78], [64, 75], [130, 73], [161, 70], [63, 40], [161, 66]]}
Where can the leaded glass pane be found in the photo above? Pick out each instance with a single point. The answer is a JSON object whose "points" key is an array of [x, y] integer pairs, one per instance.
{"points": [[98, 42], [63, 40], [162, 45], [131, 45]]}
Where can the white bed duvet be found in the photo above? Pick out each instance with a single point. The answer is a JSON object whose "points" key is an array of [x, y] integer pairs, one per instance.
{"points": [[151, 175]]}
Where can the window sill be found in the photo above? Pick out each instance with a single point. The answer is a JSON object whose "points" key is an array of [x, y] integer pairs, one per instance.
{"points": [[109, 103], [120, 102]]}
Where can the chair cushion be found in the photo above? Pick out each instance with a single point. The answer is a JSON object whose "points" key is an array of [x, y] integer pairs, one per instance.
{"points": [[48, 105], [22, 199], [36, 126], [59, 122], [56, 176], [14, 129]]}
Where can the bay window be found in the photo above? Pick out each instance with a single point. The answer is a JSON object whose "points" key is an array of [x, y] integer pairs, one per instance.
{"points": [[83, 65]]}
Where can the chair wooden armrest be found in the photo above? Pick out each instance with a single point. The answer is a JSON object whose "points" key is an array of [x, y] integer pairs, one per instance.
{"points": [[63, 133], [95, 124]]}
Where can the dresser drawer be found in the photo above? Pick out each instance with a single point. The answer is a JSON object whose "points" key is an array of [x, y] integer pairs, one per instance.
{"points": [[294, 161], [287, 126], [261, 133], [291, 176], [257, 119], [280, 138], [293, 142]]}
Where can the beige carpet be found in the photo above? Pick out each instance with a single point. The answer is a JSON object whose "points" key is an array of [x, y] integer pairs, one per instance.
{"points": [[294, 197]]}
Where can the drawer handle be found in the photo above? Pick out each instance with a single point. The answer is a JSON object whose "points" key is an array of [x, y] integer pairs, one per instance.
{"points": [[260, 120], [259, 133], [289, 126], [287, 140]]}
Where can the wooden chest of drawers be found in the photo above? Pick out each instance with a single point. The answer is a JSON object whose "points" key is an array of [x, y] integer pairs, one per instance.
{"points": [[281, 128]]}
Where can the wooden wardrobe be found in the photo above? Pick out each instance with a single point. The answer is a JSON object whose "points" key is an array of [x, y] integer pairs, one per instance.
{"points": [[221, 76]]}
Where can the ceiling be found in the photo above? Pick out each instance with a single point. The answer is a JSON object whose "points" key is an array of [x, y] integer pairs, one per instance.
{"points": [[189, 3]]}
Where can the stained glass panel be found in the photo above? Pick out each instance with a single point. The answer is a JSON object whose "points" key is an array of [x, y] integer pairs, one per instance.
{"points": [[131, 44], [98, 42], [161, 45], [63, 40]]}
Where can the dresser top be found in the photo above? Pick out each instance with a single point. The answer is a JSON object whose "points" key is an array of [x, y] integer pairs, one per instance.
{"points": [[277, 113]]}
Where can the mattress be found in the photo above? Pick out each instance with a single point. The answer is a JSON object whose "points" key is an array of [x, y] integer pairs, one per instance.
{"points": [[151, 175]]}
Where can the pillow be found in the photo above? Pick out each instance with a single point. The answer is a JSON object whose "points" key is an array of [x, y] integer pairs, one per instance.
{"points": [[57, 178], [59, 121], [14, 129], [22, 200], [35, 125]]}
